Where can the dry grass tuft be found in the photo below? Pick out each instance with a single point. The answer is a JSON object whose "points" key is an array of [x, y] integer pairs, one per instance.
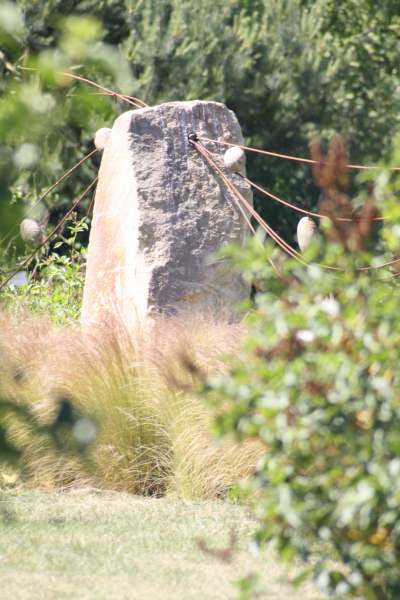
{"points": [[153, 435]]}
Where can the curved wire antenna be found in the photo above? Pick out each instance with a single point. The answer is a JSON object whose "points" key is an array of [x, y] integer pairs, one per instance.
{"points": [[129, 99], [290, 157], [389, 263], [235, 192], [297, 208], [29, 258], [263, 224], [286, 202], [136, 102], [194, 138], [64, 176], [284, 245], [51, 188]]}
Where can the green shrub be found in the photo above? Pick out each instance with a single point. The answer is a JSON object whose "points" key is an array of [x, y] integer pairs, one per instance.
{"points": [[56, 288], [318, 383]]}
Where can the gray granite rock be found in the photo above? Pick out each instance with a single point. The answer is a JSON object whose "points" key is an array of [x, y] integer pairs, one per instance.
{"points": [[160, 215]]}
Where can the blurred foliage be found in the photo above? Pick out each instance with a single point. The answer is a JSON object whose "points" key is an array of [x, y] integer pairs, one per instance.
{"points": [[63, 433], [47, 121], [318, 384], [40, 122]]}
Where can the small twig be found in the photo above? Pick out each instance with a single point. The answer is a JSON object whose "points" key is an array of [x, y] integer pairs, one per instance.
{"points": [[223, 554]]}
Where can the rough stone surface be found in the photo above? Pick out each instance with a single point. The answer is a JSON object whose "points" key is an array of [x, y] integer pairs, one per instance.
{"points": [[160, 214]]}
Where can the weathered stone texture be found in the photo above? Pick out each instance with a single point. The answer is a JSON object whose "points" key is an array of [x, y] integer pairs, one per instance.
{"points": [[160, 214]]}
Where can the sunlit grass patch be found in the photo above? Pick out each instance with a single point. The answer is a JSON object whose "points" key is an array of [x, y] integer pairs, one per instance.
{"points": [[99, 545]]}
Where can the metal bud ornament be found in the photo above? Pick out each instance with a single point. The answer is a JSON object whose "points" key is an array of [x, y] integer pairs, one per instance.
{"points": [[305, 230]]}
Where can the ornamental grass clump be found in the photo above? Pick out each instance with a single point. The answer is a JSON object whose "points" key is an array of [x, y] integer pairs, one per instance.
{"points": [[151, 433], [317, 382]]}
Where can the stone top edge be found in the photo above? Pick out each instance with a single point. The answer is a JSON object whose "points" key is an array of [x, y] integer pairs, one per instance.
{"points": [[176, 103], [125, 119], [182, 103]]}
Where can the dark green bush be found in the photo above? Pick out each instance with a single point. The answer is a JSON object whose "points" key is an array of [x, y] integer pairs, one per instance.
{"points": [[318, 383]]}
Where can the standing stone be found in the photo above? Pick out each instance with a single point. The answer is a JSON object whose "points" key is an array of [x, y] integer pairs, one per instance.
{"points": [[160, 215]]}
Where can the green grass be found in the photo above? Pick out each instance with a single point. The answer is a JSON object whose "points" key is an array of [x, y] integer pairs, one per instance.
{"points": [[85, 545]]}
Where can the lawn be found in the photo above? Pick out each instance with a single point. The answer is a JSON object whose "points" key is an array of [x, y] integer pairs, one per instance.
{"points": [[86, 544]]}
